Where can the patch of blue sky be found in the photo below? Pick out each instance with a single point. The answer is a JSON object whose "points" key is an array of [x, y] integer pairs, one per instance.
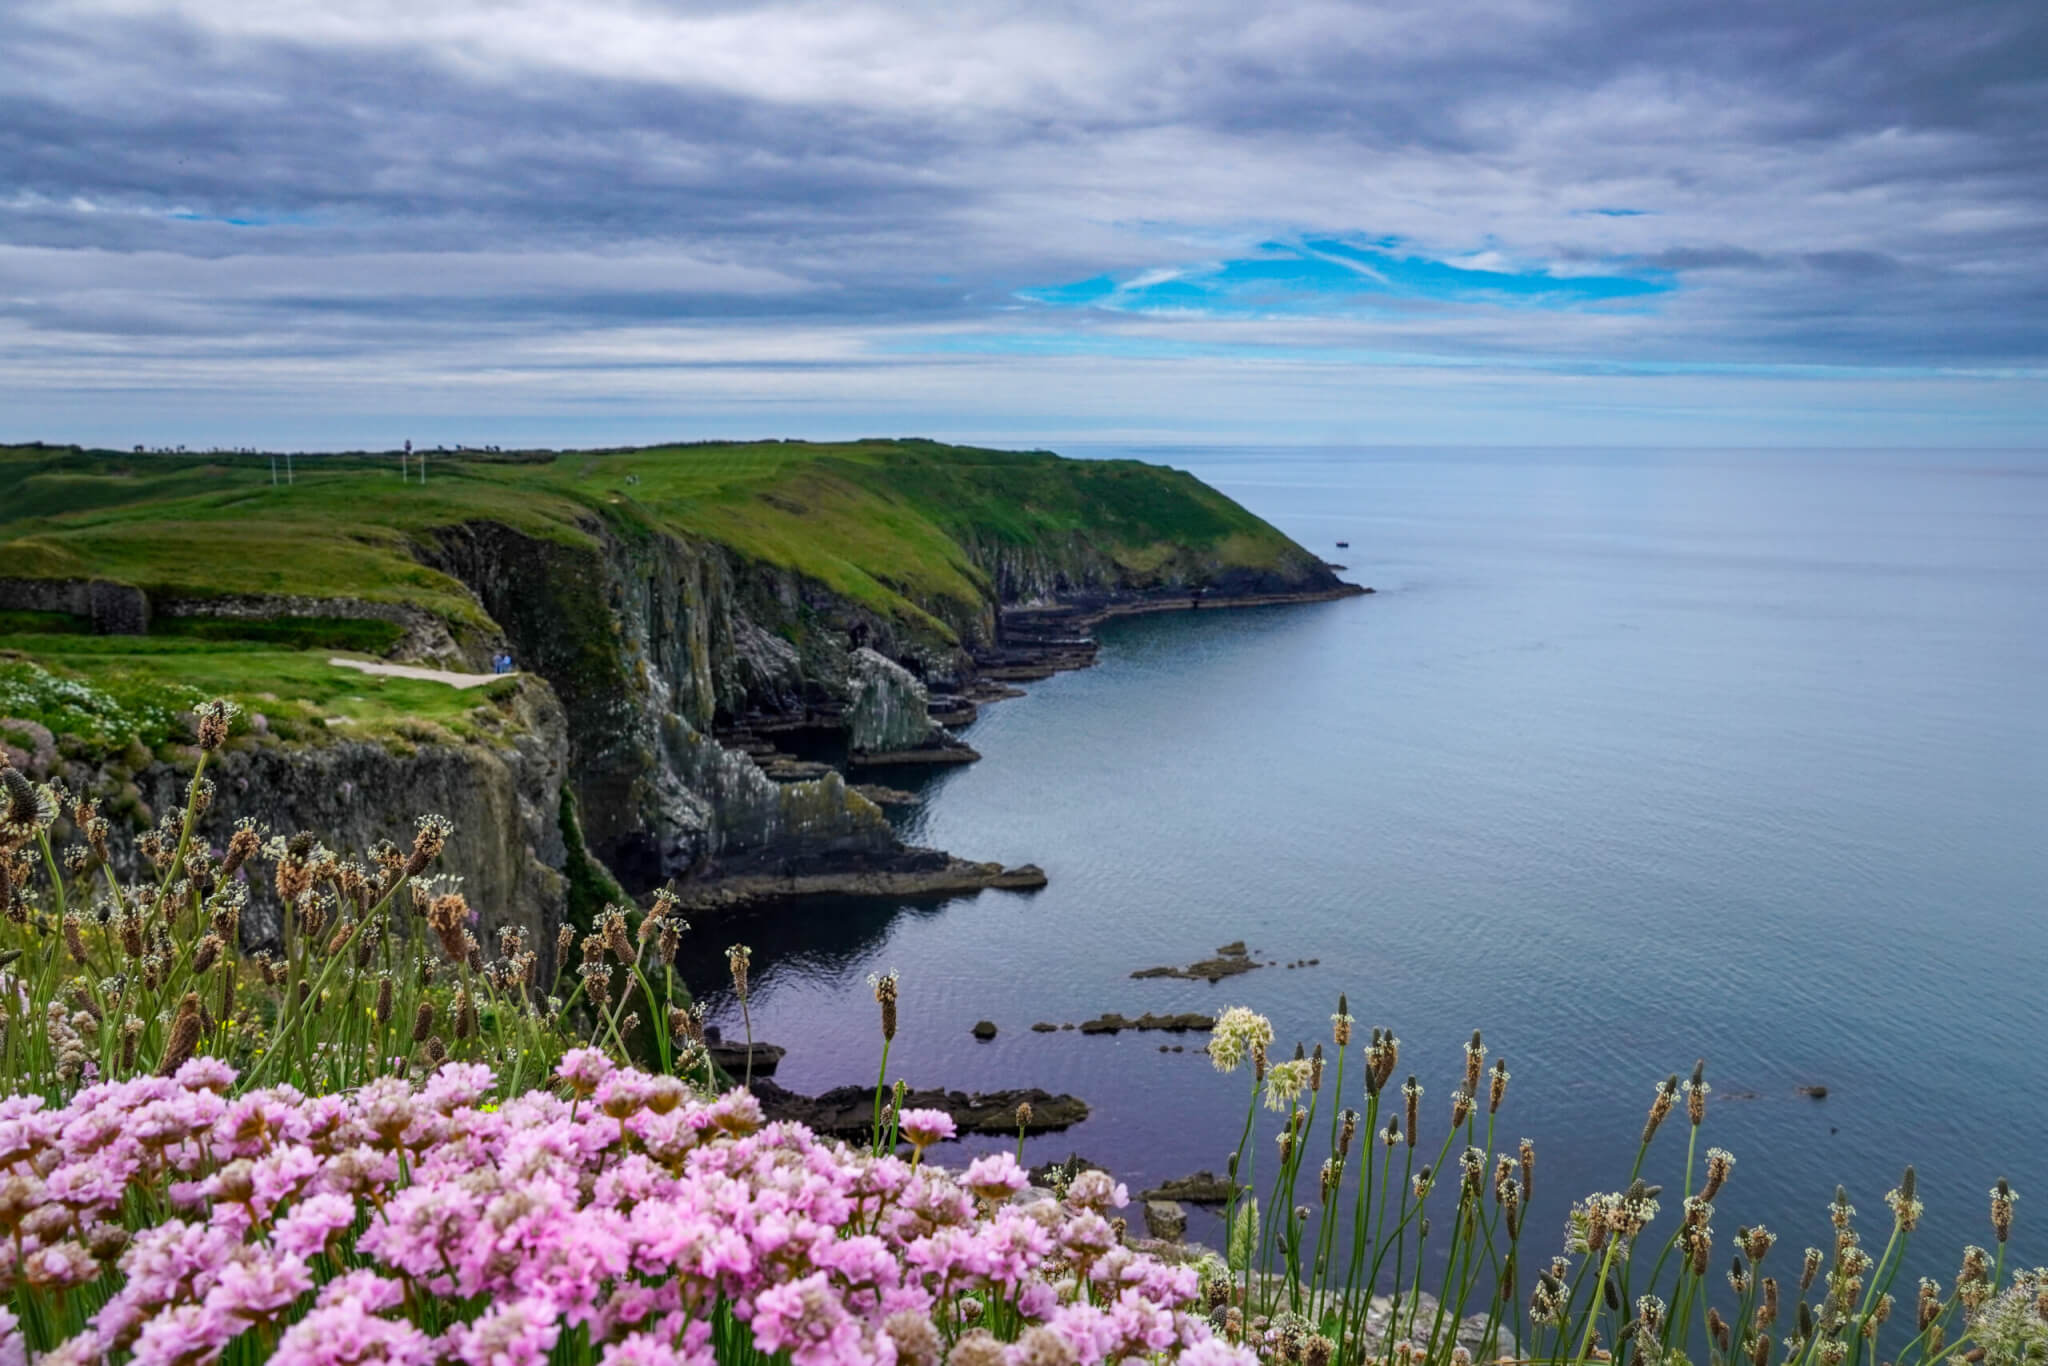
{"points": [[1323, 276]]}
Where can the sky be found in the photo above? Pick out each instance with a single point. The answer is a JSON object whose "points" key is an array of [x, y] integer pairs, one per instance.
{"points": [[322, 223]]}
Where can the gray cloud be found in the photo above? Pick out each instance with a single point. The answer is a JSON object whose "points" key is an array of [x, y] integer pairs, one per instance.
{"points": [[820, 189]]}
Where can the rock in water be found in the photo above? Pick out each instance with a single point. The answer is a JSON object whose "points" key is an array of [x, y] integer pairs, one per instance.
{"points": [[985, 1029], [1166, 1220], [1203, 1188], [888, 716], [848, 1111], [733, 1057]]}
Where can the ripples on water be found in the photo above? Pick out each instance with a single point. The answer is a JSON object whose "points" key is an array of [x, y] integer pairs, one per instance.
{"points": [[1634, 758]]}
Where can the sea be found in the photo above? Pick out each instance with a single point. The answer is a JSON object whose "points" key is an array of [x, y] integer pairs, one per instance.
{"points": [[1634, 758]]}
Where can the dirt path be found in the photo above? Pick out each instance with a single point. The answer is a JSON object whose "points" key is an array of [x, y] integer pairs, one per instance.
{"points": [[452, 679]]}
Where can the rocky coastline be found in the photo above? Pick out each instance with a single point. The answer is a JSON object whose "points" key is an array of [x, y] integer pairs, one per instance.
{"points": [[688, 712]]}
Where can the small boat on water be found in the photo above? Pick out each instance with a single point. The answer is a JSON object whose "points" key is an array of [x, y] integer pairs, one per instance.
{"points": [[1343, 545]]}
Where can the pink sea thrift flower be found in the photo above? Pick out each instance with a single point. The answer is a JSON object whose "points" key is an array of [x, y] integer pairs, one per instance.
{"points": [[996, 1177], [922, 1128], [583, 1069]]}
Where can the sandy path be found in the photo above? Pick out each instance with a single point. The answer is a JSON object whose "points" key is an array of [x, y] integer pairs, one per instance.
{"points": [[452, 679]]}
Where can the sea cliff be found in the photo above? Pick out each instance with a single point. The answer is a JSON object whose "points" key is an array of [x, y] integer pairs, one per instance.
{"points": [[664, 609]]}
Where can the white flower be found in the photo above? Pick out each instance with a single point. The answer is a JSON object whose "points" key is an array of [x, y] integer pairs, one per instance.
{"points": [[1285, 1082], [1239, 1032]]}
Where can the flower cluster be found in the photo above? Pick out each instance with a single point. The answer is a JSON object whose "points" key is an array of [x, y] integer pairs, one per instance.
{"points": [[616, 1219]]}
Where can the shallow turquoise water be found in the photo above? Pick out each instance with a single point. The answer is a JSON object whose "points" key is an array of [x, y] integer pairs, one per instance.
{"points": [[1634, 758]]}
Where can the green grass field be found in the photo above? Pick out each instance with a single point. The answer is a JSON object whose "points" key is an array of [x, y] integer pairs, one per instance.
{"points": [[882, 522], [887, 524]]}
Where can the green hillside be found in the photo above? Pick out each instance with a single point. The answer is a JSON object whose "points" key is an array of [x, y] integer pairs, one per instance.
{"points": [[891, 525]]}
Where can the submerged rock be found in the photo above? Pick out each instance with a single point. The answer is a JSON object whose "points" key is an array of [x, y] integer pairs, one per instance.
{"points": [[1113, 1023], [1230, 960]]}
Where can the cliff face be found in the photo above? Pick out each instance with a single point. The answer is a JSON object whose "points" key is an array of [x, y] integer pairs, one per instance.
{"points": [[652, 615], [649, 641], [503, 797]]}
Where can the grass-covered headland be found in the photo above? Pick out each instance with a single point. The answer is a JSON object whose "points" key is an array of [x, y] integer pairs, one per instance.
{"points": [[380, 1140], [909, 530]]}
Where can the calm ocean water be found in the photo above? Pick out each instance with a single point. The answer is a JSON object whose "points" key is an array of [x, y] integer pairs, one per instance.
{"points": [[1635, 757]]}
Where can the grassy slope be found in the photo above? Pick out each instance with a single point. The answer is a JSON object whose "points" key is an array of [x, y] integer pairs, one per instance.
{"points": [[881, 522]]}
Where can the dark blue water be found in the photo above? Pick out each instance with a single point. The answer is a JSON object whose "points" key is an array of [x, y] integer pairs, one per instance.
{"points": [[1634, 758]]}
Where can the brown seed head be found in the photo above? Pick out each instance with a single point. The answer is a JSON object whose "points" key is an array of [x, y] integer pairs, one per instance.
{"points": [[429, 839], [1475, 1056], [1527, 1154], [385, 992], [1696, 1094], [20, 807], [611, 927], [207, 954], [1719, 1164], [884, 984], [1660, 1106], [423, 1021], [214, 718], [1756, 1243], [184, 1038], [448, 918], [242, 845], [1497, 1088], [2002, 1198]]}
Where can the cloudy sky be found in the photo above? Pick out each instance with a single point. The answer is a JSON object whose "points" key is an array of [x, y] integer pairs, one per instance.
{"points": [[319, 222]]}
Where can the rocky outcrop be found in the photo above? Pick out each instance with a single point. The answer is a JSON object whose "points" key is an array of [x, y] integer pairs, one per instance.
{"points": [[888, 717], [502, 796], [849, 1111], [650, 640]]}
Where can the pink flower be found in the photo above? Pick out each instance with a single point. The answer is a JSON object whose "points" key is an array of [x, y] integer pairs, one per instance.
{"points": [[583, 1069], [737, 1113], [1216, 1352], [807, 1320], [518, 1334], [996, 1177], [183, 1335], [925, 1127], [257, 1288], [373, 1292], [1097, 1190], [13, 1347], [345, 1331], [206, 1074], [312, 1224]]}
